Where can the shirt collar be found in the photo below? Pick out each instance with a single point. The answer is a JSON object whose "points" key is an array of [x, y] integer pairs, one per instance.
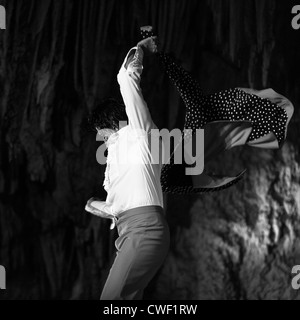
{"points": [[114, 137]]}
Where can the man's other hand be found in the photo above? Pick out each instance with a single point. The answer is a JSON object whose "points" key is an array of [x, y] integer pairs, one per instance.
{"points": [[94, 210]]}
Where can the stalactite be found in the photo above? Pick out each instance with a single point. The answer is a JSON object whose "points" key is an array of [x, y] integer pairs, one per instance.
{"points": [[234, 18]]}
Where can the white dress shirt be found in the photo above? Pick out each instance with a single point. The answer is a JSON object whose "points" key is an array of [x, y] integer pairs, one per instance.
{"points": [[132, 179]]}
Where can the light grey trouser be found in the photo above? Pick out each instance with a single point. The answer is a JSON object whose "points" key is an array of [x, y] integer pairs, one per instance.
{"points": [[142, 246]]}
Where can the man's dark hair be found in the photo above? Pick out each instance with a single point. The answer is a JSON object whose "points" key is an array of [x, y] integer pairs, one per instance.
{"points": [[107, 114]]}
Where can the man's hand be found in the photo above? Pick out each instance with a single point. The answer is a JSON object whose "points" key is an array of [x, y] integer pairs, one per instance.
{"points": [[149, 45], [92, 208]]}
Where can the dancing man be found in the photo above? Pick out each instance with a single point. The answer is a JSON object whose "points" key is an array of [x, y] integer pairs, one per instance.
{"points": [[132, 180]]}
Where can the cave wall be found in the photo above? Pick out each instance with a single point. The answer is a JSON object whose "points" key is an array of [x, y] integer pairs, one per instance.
{"points": [[57, 58]]}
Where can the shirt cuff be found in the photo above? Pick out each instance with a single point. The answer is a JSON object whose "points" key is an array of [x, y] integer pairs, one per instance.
{"points": [[101, 206], [136, 65]]}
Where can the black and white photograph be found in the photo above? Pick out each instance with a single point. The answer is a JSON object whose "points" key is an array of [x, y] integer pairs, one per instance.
{"points": [[149, 151]]}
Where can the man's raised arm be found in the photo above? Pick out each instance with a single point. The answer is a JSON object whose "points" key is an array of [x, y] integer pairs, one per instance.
{"points": [[129, 79]]}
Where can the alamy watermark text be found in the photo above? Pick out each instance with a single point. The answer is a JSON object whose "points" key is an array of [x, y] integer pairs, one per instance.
{"points": [[2, 18], [2, 278], [136, 146], [296, 19]]}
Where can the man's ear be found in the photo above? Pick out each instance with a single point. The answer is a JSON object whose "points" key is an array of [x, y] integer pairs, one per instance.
{"points": [[130, 57]]}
